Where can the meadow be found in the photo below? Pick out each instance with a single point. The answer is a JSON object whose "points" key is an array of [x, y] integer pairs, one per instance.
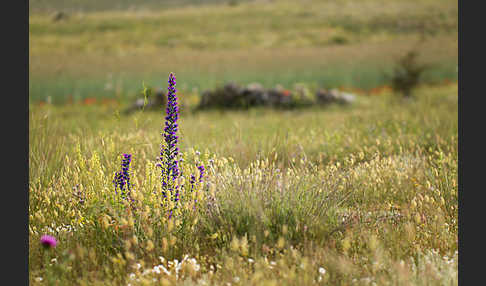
{"points": [[359, 194], [368, 193], [323, 43]]}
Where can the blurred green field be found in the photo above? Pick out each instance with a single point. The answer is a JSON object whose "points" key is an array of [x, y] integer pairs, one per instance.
{"points": [[49, 6], [322, 43]]}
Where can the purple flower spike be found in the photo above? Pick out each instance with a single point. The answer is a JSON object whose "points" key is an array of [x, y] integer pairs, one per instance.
{"points": [[122, 178], [48, 241], [193, 180], [168, 155], [201, 173]]}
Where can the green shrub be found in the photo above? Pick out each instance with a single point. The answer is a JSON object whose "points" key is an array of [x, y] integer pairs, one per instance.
{"points": [[407, 74]]}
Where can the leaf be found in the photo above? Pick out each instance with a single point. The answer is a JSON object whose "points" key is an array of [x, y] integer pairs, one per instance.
{"points": [[146, 94]]}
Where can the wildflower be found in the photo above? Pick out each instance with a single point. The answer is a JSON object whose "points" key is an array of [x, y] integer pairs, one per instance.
{"points": [[156, 269], [164, 269], [201, 172], [322, 270], [48, 241], [122, 178], [168, 154], [193, 180], [195, 265]]}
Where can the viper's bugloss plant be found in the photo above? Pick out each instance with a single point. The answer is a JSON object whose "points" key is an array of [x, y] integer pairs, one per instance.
{"points": [[201, 173], [169, 152], [193, 181], [169, 162], [122, 178]]}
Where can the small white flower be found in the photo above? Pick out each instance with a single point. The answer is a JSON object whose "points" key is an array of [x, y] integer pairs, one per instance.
{"points": [[273, 263], [138, 266], [156, 270], [164, 269], [322, 270], [195, 265], [251, 260], [178, 267], [39, 279], [162, 259], [236, 279], [132, 276]]}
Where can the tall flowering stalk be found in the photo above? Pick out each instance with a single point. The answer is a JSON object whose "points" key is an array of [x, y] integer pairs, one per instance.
{"points": [[193, 181], [169, 152], [171, 173], [201, 176], [122, 178], [201, 173]]}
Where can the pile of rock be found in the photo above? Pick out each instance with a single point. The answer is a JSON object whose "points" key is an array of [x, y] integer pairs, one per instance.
{"points": [[324, 96], [232, 95], [235, 96]]}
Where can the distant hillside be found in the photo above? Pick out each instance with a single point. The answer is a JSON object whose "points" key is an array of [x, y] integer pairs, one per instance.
{"points": [[47, 6]]}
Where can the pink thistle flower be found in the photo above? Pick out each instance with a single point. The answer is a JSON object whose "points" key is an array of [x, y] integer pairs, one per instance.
{"points": [[48, 241]]}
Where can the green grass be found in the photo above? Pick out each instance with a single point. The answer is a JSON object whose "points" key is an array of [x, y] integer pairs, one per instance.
{"points": [[327, 43], [368, 192]]}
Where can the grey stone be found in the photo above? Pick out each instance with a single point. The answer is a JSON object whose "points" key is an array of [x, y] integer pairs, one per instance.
{"points": [[325, 96]]}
